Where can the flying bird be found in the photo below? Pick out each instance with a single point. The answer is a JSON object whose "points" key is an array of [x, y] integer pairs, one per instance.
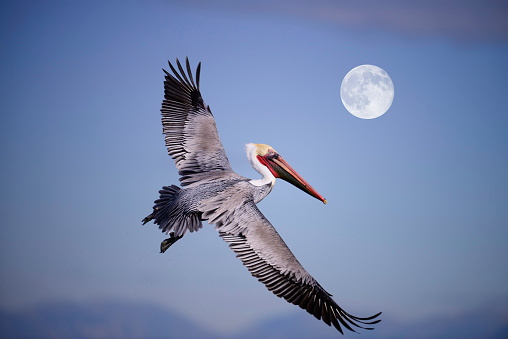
{"points": [[212, 191]]}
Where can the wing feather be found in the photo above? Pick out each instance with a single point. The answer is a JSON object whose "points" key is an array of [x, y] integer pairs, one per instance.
{"points": [[258, 245], [191, 134]]}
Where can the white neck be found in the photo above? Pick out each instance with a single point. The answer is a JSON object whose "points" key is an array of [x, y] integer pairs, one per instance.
{"points": [[268, 177]]}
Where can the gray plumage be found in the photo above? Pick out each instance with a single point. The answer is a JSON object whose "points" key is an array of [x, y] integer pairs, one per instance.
{"points": [[212, 191]]}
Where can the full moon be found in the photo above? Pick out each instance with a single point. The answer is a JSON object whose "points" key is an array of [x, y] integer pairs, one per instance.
{"points": [[367, 91]]}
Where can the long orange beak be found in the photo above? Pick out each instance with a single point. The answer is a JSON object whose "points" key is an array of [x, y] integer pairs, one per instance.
{"points": [[281, 169]]}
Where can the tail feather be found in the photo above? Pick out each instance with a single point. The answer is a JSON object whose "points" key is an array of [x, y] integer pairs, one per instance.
{"points": [[171, 213]]}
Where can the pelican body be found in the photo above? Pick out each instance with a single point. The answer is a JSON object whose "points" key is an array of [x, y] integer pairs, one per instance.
{"points": [[212, 191]]}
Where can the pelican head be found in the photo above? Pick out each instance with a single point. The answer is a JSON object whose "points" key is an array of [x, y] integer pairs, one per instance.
{"points": [[271, 165]]}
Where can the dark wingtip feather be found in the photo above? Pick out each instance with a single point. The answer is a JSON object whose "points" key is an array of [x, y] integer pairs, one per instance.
{"points": [[183, 72], [198, 70], [189, 71], [365, 320], [174, 70]]}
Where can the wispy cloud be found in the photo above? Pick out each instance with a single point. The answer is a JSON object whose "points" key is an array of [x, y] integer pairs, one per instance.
{"points": [[460, 20]]}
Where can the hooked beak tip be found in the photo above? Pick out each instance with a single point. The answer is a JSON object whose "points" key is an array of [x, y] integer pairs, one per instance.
{"points": [[324, 201]]}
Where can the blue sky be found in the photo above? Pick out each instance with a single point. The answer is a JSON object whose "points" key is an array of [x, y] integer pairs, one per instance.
{"points": [[416, 220]]}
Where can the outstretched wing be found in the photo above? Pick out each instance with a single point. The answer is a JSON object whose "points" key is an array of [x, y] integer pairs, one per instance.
{"points": [[191, 134], [267, 257]]}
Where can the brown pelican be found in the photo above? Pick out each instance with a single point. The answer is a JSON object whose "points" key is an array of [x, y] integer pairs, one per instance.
{"points": [[212, 191]]}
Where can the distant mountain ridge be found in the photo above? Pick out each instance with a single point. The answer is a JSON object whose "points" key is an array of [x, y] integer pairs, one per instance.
{"points": [[99, 320], [147, 320]]}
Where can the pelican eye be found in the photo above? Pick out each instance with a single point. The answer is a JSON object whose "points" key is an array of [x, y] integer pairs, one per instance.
{"points": [[272, 154]]}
